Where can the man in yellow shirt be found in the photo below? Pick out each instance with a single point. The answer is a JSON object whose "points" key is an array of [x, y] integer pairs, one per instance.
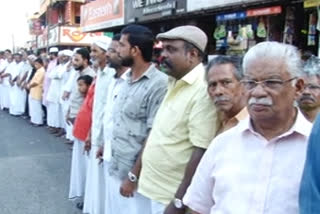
{"points": [[36, 86], [184, 126]]}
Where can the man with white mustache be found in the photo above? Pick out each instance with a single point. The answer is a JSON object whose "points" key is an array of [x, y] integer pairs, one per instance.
{"points": [[256, 167], [223, 74]]}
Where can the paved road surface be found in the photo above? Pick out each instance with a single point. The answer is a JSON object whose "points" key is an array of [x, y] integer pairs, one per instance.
{"points": [[34, 170]]}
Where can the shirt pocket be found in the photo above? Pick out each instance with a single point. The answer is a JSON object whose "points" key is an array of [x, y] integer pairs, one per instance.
{"points": [[135, 107]]}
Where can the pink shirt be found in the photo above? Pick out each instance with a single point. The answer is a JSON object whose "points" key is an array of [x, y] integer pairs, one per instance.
{"points": [[243, 173]]}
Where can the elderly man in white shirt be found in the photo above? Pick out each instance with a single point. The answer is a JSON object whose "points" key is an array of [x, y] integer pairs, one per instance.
{"points": [[94, 189], [256, 167]]}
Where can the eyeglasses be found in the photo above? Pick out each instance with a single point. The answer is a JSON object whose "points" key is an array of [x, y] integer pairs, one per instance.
{"points": [[267, 84], [312, 87]]}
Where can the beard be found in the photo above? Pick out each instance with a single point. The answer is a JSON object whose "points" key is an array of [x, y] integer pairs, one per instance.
{"points": [[127, 61], [79, 68], [114, 63]]}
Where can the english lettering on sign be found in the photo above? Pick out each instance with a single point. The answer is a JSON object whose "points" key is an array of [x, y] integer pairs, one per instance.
{"points": [[137, 3], [144, 3], [150, 2], [95, 13]]}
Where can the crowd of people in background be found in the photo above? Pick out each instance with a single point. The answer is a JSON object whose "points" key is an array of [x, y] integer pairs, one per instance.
{"points": [[233, 136]]}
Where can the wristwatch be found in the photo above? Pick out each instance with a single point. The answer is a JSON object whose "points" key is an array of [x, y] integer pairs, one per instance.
{"points": [[178, 203], [132, 177]]}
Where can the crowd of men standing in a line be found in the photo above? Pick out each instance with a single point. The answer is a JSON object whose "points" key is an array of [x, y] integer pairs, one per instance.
{"points": [[231, 137]]}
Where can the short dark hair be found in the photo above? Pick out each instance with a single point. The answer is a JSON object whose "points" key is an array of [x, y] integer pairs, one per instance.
{"points": [[54, 53], [188, 47], [8, 50], [86, 78], [141, 37], [39, 60], [116, 37], [235, 61], [84, 53], [17, 54]]}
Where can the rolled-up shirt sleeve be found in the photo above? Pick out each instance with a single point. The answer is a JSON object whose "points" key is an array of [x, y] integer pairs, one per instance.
{"points": [[199, 194]]}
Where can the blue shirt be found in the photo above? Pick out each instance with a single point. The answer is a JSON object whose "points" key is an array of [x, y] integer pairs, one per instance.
{"points": [[309, 198]]}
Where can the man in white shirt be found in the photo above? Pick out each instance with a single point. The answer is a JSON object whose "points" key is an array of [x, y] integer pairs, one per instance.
{"points": [[80, 63], [54, 117], [2, 67], [5, 77], [16, 98], [115, 77], [94, 188], [256, 167]]}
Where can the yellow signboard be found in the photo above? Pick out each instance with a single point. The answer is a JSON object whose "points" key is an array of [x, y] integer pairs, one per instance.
{"points": [[311, 3]]}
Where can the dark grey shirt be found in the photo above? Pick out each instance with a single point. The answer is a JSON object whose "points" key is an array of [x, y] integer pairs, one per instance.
{"points": [[133, 114]]}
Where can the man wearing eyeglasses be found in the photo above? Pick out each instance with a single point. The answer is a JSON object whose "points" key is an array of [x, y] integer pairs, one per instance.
{"points": [[256, 167], [309, 101]]}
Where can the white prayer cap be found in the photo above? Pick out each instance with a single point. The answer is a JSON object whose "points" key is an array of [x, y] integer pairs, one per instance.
{"points": [[53, 50], [68, 53], [103, 42], [60, 53], [32, 57]]}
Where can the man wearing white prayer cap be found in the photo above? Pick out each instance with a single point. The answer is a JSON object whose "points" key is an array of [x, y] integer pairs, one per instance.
{"points": [[53, 50], [95, 188]]}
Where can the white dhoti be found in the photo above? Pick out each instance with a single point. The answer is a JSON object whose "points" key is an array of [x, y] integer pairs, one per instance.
{"points": [[78, 171], [17, 101], [68, 127], [115, 203], [21, 103], [5, 99], [35, 111], [95, 188], [54, 115]]}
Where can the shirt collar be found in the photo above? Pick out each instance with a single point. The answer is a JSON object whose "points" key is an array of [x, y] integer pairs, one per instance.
{"points": [[106, 70], [194, 74], [85, 70], [123, 76], [243, 114], [301, 126], [147, 73]]}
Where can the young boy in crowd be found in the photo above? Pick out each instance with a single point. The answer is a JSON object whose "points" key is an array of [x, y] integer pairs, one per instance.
{"points": [[81, 132]]}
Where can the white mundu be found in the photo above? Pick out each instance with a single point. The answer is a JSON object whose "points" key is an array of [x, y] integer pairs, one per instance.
{"points": [[78, 171], [17, 95]]}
